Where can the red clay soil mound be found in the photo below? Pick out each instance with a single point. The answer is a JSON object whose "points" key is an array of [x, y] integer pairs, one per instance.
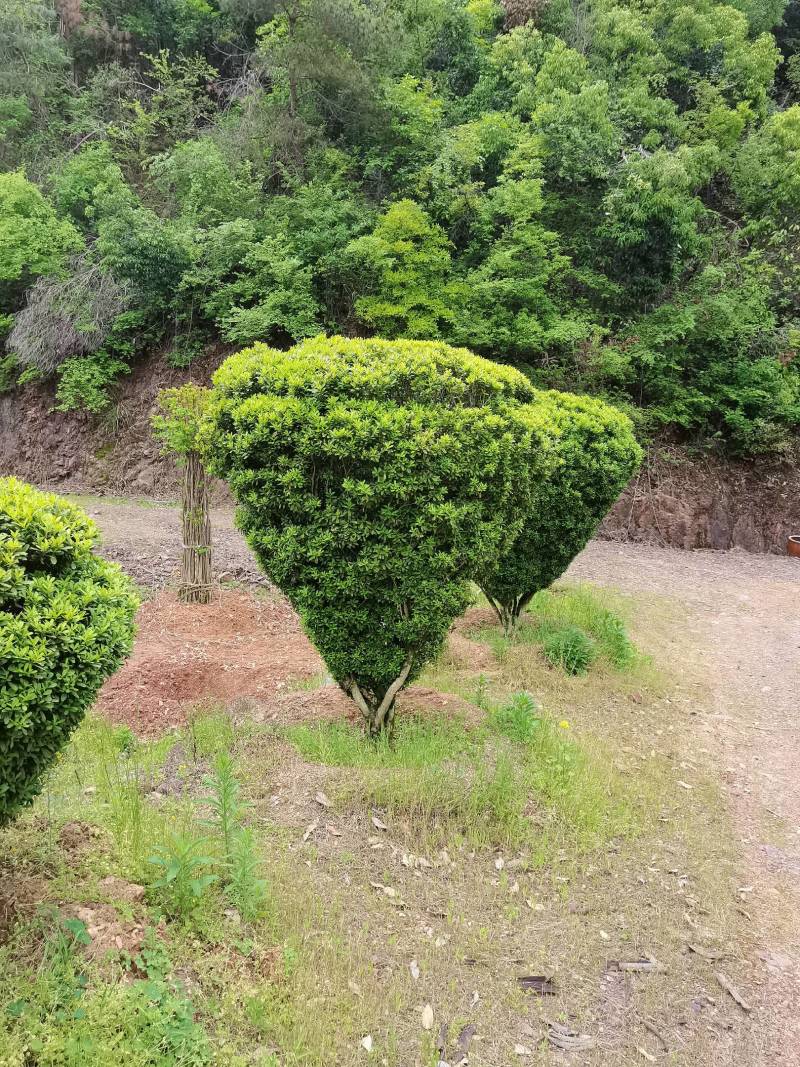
{"points": [[238, 647], [245, 652]]}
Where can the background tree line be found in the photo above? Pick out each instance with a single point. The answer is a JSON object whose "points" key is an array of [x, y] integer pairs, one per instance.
{"points": [[606, 195]]}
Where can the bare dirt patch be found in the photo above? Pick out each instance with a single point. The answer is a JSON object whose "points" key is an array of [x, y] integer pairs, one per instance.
{"points": [[238, 647], [741, 635], [110, 935], [245, 652]]}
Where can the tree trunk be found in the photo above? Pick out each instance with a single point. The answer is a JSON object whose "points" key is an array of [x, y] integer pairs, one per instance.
{"points": [[379, 713], [195, 585], [508, 615]]}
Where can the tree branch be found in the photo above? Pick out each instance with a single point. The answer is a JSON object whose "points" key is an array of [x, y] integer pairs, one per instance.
{"points": [[357, 697], [395, 688]]}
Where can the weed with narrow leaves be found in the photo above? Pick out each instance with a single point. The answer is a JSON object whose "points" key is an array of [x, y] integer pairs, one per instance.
{"points": [[185, 875], [569, 648], [240, 863]]}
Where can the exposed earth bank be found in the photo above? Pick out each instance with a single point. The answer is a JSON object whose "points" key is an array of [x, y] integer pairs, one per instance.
{"points": [[679, 499]]}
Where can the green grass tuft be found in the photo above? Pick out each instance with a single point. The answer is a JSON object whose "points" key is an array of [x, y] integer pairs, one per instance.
{"points": [[568, 647], [586, 609]]}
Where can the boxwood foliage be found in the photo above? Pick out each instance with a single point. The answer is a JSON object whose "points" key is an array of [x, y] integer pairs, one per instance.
{"points": [[374, 478], [594, 454], [66, 624]]}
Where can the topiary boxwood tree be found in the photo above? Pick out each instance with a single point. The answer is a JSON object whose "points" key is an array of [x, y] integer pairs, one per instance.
{"points": [[593, 456], [66, 624], [374, 478]]}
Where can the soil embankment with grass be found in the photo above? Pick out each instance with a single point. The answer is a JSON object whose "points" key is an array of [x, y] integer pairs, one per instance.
{"points": [[593, 868]]}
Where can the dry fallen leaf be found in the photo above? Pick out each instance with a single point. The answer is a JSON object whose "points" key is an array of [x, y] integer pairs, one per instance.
{"points": [[706, 953], [568, 1040], [427, 1017], [645, 1054], [389, 890], [414, 968], [522, 1050], [537, 983], [310, 829], [332, 830], [465, 1035], [378, 823], [366, 1042], [730, 988], [322, 799], [644, 966], [354, 987]]}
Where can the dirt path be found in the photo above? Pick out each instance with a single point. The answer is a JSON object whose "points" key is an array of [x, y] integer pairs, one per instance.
{"points": [[737, 628], [744, 630]]}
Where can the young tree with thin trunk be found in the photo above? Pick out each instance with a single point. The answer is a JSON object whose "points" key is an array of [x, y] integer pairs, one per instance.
{"points": [[177, 424]]}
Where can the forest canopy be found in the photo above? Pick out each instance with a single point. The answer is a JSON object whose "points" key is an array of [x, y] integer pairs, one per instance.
{"points": [[603, 194]]}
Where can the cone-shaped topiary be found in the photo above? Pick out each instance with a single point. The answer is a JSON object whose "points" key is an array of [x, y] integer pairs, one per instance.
{"points": [[66, 624], [593, 456], [374, 478]]}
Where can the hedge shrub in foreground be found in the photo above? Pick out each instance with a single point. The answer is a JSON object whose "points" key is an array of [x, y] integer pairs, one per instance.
{"points": [[374, 478], [594, 456], [66, 624]]}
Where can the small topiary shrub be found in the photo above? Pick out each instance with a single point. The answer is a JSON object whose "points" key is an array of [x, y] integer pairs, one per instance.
{"points": [[593, 456], [66, 624], [374, 478], [569, 648]]}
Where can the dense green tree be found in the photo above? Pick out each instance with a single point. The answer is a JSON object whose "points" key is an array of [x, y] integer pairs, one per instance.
{"points": [[34, 242], [406, 261], [374, 479], [34, 76]]}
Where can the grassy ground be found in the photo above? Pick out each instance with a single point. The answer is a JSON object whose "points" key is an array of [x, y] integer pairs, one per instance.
{"points": [[255, 895]]}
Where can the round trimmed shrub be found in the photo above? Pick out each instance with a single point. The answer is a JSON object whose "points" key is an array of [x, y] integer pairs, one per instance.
{"points": [[66, 624], [593, 455], [374, 479]]}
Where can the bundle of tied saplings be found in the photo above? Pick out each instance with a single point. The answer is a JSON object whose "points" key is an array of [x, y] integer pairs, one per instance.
{"points": [[374, 479], [66, 624], [176, 421], [593, 455]]}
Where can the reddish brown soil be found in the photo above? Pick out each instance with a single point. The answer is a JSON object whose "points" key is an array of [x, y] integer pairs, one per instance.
{"points": [[237, 648], [243, 651]]}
